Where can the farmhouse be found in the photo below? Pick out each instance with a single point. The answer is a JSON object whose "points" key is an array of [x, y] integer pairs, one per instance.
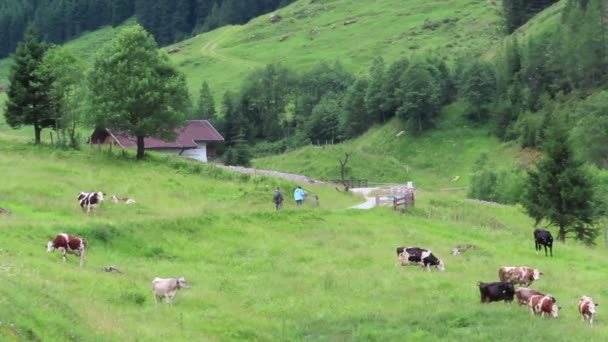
{"points": [[197, 140]]}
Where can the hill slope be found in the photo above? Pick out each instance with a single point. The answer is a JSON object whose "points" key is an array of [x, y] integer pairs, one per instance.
{"points": [[255, 274], [310, 32]]}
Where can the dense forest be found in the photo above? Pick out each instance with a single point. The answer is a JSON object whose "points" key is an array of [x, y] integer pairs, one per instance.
{"points": [[168, 21]]}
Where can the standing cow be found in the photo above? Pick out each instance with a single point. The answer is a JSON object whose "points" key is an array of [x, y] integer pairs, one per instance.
{"points": [[543, 306], [586, 308], [420, 256], [167, 288], [497, 291], [543, 238], [524, 294], [519, 275], [90, 200], [66, 243]]}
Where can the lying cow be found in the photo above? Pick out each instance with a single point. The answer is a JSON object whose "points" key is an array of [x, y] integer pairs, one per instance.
{"points": [[543, 306], [167, 288], [420, 256], [66, 243], [586, 308], [117, 199], [497, 291], [90, 200], [524, 294], [543, 238], [519, 275]]}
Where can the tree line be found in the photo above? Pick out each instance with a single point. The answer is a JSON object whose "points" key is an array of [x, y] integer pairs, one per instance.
{"points": [[168, 21]]}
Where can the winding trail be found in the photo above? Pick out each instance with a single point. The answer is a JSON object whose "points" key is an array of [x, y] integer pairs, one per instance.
{"points": [[210, 48], [370, 201]]}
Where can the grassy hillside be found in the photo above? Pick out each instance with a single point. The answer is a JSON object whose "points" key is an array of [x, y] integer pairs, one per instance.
{"points": [[316, 273], [310, 32], [431, 160]]}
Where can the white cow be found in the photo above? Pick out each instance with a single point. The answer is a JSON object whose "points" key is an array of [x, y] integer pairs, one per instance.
{"points": [[167, 287]]}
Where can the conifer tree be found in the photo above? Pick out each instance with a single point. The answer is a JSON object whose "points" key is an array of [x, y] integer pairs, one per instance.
{"points": [[29, 93], [205, 107], [560, 192]]}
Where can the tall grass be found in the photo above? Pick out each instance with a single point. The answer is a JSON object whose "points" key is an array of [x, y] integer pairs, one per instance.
{"points": [[256, 274]]}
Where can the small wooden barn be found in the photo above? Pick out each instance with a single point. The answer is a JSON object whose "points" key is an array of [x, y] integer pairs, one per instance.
{"points": [[197, 140]]}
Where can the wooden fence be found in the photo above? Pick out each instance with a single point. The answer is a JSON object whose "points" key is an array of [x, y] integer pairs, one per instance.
{"points": [[406, 201]]}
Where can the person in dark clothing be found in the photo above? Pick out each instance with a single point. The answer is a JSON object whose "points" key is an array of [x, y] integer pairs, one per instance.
{"points": [[277, 197]]}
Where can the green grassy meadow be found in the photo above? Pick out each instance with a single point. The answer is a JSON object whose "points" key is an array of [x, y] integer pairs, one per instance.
{"points": [[316, 273]]}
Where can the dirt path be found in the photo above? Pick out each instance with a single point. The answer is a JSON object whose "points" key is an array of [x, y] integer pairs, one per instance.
{"points": [[271, 173], [370, 201], [211, 48]]}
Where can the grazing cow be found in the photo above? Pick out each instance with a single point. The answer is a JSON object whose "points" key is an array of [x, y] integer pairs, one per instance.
{"points": [[4, 211], [66, 243], [519, 275], [420, 256], [523, 295], [543, 306], [117, 199], [167, 288], [543, 238], [586, 307], [497, 291], [90, 200]]}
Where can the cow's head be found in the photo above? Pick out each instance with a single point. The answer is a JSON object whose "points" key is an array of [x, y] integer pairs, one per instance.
{"points": [[50, 246], [555, 311], [100, 196], [441, 265], [536, 273], [181, 283]]}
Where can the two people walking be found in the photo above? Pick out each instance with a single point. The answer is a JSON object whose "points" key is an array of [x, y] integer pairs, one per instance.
{"points": [[298, 196]]}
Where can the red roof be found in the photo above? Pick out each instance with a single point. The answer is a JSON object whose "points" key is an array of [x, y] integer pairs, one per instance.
{"points": [[187, 137]]}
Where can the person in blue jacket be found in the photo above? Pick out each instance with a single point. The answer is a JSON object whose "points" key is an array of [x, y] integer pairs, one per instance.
{"points": [[298, 195]]}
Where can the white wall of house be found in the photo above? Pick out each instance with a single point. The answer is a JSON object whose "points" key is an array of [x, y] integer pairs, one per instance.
{"points": [[199, 153]]}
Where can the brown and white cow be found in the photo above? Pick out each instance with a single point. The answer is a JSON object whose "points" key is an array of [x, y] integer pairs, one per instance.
{"points": [[519, 275], [524, 294], [66, 243], [543, 306], [117, 199], [167, 287], [90, 200], [586, 307]]}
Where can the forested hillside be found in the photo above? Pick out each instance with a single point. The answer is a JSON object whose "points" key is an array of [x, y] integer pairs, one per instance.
{"points": [[169, 21]]}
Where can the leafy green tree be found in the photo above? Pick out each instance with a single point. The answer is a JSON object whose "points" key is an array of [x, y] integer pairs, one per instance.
{"points": [[478, 88], [205, 108], [561, 192], [419, 95], [357, 120], [29, 93], [375, 97], [392, 86], [134, 89], [590, 135], [324, 124], [68, 91]]}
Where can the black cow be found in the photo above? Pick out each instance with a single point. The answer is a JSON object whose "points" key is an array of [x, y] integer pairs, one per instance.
{"points": [[420, 256], [543, 238], [494, 292]]}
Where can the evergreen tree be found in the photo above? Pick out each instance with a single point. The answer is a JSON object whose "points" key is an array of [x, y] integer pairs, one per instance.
{"points": [[205, 108], [233, 121], [561, 192], [29, 93], [134, 89]]}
